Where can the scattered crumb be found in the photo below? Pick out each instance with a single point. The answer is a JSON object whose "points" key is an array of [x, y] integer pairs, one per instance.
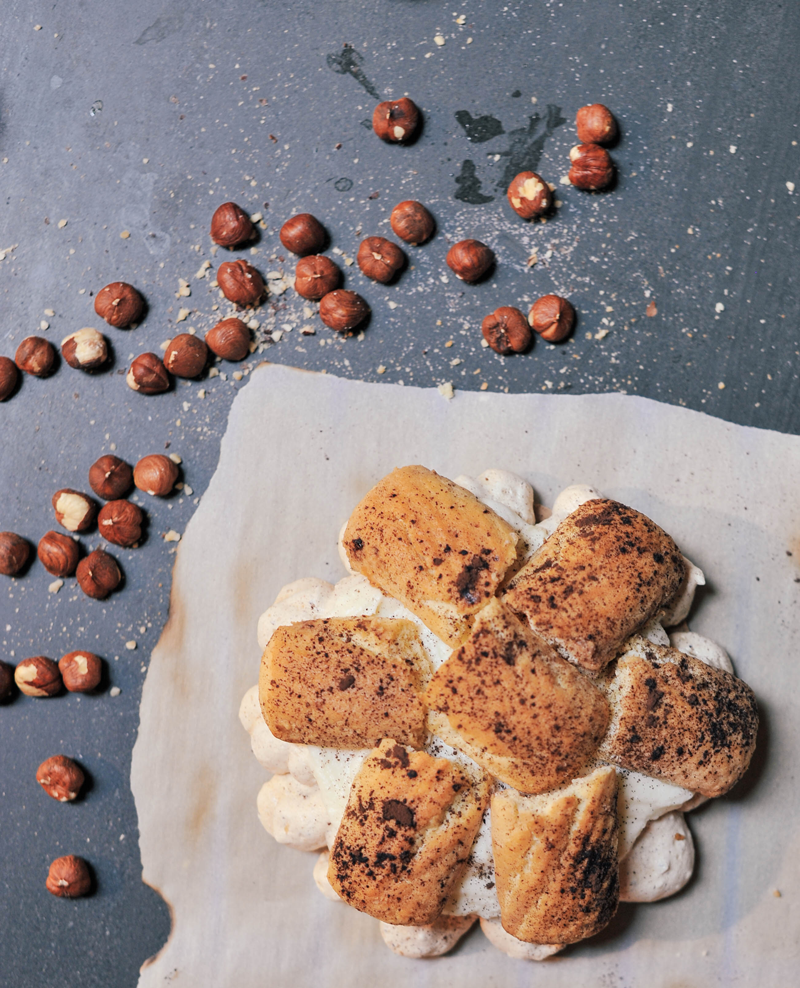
{"points": [[382, 369], [790, 186], [721, 385], [172, 536], [485, 344], [114, 691], [131, 645], [719, 307], [601, 334], [182, 314], [776, 893], [183, 289], [438, 40], [55, 586], [651, 310], [62, 224], [176, 459], [125, 234], [446, 390], [44, 324], [37, 27], [450, 343], [532, 260], [679, 837], [484, 386]]}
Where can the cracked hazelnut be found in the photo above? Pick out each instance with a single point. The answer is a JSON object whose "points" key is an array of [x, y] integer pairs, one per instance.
{"points": [[230, 225], [98, 575], [529, 195], [9, 377], [380, 259], [595, 124], [119, 304], [303, 234], [120, 522], [36, 356], [60, 777], [469, 259], [85, 350], [186, 356], [229, 339], [343, 310], [38, 676], [58, 553], [506, 330], [240, 282], [592, 167], [14, 553], [412, 222], [148, 375], [81, 671], [315, 276], [396, 120], [552, 317], [74, 511], [110, 477], [155, 474], [6, 681], [69, 877]]}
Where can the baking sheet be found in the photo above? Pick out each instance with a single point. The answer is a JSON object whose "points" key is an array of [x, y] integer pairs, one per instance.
{"points": [[300, 450]]}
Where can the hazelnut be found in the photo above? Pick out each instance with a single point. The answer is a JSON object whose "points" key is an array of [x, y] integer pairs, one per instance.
{"points": [[230, 225], [148, 375], [98, 575], [36, 356], [81, 671], [343, 310], [229, 339], [58, 553], [110, 477], [186, 356], [74, 511], [315, 276], [595, 124], [60, 777], [14, 553], [240, 282], [506, 330], [303, 234], [85, 350], [412, 222], [119, 304], [592, 167], [469, 259], [69, 877], [380, 259], [552, 317], [38, 676], [529, 195], [9, 377], [120, 522], [155, 474], [396, 120], [6, 681]]}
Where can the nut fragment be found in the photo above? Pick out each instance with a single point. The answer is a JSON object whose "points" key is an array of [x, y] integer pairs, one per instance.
{"points": [[110, 477], [343, 310], [120, 522], [85, 350], [380, 259], [98, 574], [412, 222], [303, 234], [396, 120], [231, 226], [595, 124], [592, 167], [58, 553], [148, 375], [119, 304], [552, 317], [240, 282], [506, 330], [469, 259], [155, 474], [529, 195], [315, 276], [69, 877], [74, 511], [186, 356], [14, 553], [38, 676], [36, 356], [81, 671], [9, 377], [60, 777], [229, 339]]}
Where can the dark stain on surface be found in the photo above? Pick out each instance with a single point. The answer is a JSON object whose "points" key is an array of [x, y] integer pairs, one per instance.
{"points": [[469, 186], [161, 28], [527, 144], [349, 62], [479, 129]]}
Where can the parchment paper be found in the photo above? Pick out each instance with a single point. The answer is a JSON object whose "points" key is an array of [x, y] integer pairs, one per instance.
{"points": [[299, 452]]}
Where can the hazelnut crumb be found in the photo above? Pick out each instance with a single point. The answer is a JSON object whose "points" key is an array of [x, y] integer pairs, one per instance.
{"points": [[55, 586], [114, 691], [777, 893], [131, 645]]}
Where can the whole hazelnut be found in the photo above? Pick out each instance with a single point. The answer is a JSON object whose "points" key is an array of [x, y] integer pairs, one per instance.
{"points": [[469, 259], [60, 777], [303, 234], [315, 276], [81, 671], [592, 167], [58, 553], [343, 310], [396, 120], [186, 356], [119, 304], [529, 195], [98, 575], [85, 350], [229, 339], [230, 225], [595, 124], [506, 330], [148, 375], [36, 356], [69, 877], [38, 676], [412, 222], [120, 522], [155, 474], [240, 282], [380, 259], [14, 553], [9, 376], [6, 681], [552, 317], [74, 511], [110, 477]]}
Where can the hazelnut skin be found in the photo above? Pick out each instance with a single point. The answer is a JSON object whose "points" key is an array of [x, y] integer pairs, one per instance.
{"points": [[230, 225], [6, 681], [315, 276], [69, 877], [469, 259], [148, 375], [229, 339], [74, 511], [552, 317], [9, 376], [506, 330], [85, 350], [412, 222], [81, 671], [186, 356], [155, 474], [529, 195], [110, 477], [240, 282], [303, 234], [59, 554], [380, 259], [36, 356], [592, 167], [60, 777], [38, 677], [595, 124], [14, 553], [343, 310], [120, 522], [98, 575], [396, 120], [119, 304]]}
